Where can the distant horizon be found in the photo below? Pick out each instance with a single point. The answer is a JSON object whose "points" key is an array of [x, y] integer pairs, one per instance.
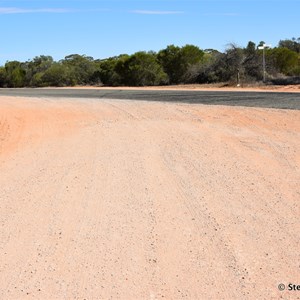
{"points": [[103, 29]]}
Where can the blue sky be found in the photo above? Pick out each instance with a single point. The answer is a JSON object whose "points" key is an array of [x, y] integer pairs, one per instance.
{"points": [[101, 28]]}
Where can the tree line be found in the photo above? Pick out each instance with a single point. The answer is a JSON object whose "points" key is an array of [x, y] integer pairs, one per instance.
{"points": [[172, 65]]}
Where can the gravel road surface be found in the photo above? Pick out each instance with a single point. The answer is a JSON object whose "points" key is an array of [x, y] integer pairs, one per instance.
{"points": [[118, 199]]}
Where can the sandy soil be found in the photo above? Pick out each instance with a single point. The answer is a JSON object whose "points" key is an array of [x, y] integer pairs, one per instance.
{"points": [[207, 87], [140, 200]]}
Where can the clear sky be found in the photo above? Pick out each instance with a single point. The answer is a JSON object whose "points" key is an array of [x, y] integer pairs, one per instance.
{"points": [[101, 28]]}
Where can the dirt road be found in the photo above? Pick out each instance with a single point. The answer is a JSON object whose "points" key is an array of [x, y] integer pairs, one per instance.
{"points": [[140, 200]]}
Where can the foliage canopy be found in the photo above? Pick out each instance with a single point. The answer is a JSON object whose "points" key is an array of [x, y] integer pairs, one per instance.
{"points": [[172, 65]]}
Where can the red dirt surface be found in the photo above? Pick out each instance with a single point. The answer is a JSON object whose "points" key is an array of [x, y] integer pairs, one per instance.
{"points": [[140, 200]]}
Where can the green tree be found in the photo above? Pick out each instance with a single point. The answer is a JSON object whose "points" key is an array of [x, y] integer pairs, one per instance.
{"points": [[283, 59], [252, 63], [80, 68], [169, 58], [3, 77], [141, 69], [15, 74], [208, 71], [250, 50], [177, 62], [293, 44], [57, 75], [36, 68], [108, 70], [191, 58]]}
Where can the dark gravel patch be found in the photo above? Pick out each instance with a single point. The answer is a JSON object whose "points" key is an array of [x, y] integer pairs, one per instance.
{"points": [[250, 99]]}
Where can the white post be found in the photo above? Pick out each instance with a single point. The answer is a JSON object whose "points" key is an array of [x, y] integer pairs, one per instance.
{"points": [[263, 47]]}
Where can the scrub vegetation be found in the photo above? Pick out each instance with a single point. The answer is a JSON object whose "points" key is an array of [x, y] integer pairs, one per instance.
{"points": [[169, 66]]}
